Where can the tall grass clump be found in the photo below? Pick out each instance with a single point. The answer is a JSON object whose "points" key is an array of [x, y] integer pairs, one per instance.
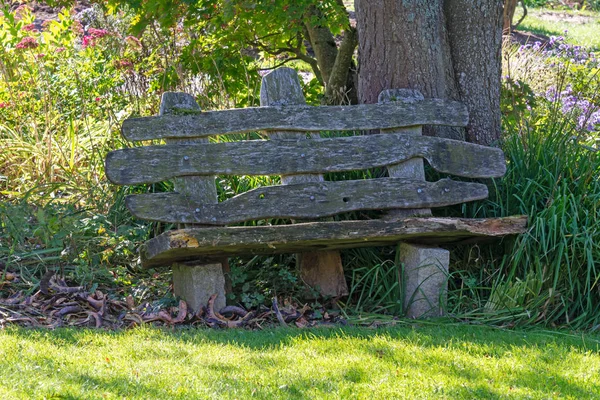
{"points": [[551, 274]]}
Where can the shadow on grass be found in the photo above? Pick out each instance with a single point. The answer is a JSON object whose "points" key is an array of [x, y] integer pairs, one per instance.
{"points": [[426, 334], [540, 31]]}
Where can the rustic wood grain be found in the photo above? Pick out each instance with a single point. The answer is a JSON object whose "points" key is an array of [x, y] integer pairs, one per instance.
{"points": [[217, 242], [306, 200], [202, 189], [199, 188], [321, 271], [413, 168], [285, 117], [151, 164]]}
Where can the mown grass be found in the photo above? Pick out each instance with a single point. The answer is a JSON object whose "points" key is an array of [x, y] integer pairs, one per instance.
{"points": [[582, 27], [412, 361]]}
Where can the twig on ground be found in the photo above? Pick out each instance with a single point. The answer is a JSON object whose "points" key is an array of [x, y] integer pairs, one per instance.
{"points": [[278, 313]]}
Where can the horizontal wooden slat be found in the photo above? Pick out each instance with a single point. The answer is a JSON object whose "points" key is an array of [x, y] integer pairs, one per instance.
{"points": [[151, 164], [188, 244], [306, 200], [298, 118]]}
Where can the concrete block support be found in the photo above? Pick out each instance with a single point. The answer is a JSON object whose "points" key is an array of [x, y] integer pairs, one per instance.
{"points": [[425, 279], [195, 284]]}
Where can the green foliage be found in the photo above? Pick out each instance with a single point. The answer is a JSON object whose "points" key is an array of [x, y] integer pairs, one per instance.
{"points": [[276, 24], [535, 3], [64, 92], [377, 288], [258, 280], [556, 181], [227, 40], [59, 104], [516, 98], [88, 248]]}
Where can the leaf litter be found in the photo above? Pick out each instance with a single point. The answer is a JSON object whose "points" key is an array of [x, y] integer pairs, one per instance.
{"points": [[56, 304]]}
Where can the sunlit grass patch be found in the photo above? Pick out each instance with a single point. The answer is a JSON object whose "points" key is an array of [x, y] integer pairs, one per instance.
{"points": [[582, 27], [413, 361]]}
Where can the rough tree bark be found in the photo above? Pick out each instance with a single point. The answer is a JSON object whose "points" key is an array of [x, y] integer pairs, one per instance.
{"points": [[322, 42], [444, 49], [476, 45], [510, 6], [341, 86], [404, 44]]}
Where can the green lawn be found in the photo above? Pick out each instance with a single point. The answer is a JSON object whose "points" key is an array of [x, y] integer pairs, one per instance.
{"points": [[583, 27], [425, 361]]}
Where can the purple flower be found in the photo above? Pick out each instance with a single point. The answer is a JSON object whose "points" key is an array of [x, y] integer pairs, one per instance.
{"points": [[594, 120], [568, 103], [551, 94]]}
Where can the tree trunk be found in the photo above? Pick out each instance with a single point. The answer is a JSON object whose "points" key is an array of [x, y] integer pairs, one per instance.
{"points": [[443, 48], [510, 6], [322, 42], [476, 43], [336, 66], [404, 44], [340, 88]]}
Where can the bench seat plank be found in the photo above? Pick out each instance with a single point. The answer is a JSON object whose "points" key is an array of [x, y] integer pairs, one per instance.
{"points": [[188, 244], [150, 164], [306, 200], [297, 118]]}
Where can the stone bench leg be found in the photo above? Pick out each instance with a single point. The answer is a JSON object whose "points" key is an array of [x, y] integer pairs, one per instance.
{"points": [[196, 283], [425, 279]]}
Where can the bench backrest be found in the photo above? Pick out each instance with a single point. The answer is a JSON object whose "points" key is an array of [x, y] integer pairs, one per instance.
{"points": [[289, 153]]}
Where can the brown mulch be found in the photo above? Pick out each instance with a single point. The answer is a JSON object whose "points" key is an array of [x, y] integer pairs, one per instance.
{"points": [[56, 304]]}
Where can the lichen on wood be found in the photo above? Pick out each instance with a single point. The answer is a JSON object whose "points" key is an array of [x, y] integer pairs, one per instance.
{"points": [[149, 164], [208, 243], [307, 200], [286, 117]]}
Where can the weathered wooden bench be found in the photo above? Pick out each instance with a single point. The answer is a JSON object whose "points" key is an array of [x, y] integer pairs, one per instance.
{"points": [[295, 151]]}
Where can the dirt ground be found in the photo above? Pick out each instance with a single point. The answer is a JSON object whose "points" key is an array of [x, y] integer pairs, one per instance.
{"points": [[44, 12]]}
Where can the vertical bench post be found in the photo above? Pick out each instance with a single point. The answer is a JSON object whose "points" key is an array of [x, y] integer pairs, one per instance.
{"points": [[425, 267], [194, 282], [322, 270]]}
